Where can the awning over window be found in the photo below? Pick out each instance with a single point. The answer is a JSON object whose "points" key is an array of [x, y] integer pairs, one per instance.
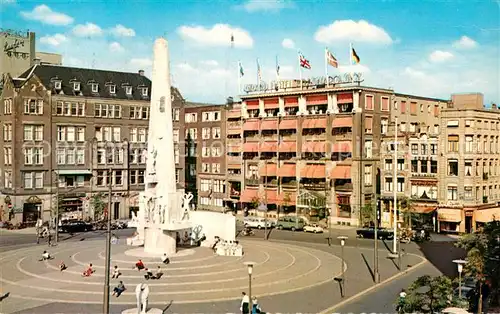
{"points": [[271, 103], [251, 147], [234, 113], [341, 172], [314, 147], [487, 215], [252, 104], [69, 172], [270, 196], [287, 199], [453, 137], [314, 123], [287, 170], [234, 148], [313, 171], [268, 170], [234, 166], [288, 124], [450, 214], [248, 195], [269, 147], [422, 209], [288, 147], [251, 125], [292, 101], [316, 99], [233, 131], [342, 147], [344, 98], [342, 122], [271, 124]]}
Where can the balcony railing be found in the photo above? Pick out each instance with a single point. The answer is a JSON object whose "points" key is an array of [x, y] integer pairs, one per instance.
{"points": [[314, 186], [252, 181], [291, 185]]}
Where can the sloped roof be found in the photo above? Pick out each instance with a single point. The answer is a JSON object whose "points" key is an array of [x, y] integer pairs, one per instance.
{"points": [[48, 74]]}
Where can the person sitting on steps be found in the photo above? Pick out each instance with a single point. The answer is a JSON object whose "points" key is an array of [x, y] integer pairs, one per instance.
{"points": [[119, 289], [116, 272], [149, 274], [88, 272], [62, 266], [139, 265], [45, 256], [165, 259]]}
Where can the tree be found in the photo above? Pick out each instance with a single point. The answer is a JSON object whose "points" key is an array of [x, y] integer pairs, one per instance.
{"points": [[406, 204], [98, 204], [483, 258], [428, 295], [367, 214]]}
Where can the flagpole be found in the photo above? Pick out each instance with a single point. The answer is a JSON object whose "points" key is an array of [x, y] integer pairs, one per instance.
{"points": [[277, 69], [239, 77], [350, 54], [300, 71], [258, 74], [326, 67]]}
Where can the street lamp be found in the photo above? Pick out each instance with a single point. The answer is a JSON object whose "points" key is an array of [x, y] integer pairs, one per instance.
{"points": [[460, 267], [250, 270], [342, 243], [108, 246]]}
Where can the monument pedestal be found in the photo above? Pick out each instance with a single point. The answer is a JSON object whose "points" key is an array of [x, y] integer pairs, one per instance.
{"points": [[157, 240]]}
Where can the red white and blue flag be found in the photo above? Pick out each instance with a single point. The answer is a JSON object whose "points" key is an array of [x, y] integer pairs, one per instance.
{"points": [[304, 63]]}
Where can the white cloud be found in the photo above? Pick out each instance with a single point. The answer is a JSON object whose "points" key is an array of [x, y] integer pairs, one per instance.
{"points": [[465, 43], [349, 30], [218, 35], [116, 47], [44, 14], [54, 40], [411, 72], [440, 56], [141, 62], [211, 63], [288, 43], [121, 31], [266, 5], [87, 30]]}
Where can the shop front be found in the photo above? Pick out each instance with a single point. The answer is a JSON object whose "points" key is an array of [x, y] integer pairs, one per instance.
{"points": [[483, 216], [32, 210], [449, 219], [133, 206]]}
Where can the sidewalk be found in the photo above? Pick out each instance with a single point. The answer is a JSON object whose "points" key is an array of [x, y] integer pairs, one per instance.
{"points": [[31, 230]]}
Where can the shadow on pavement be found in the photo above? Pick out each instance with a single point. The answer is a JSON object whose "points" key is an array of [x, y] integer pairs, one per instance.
{"points": [[168, 306], [441, 255], [368, 266]]}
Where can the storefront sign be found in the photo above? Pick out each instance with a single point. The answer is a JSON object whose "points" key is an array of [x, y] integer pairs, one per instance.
{"points": [[320, 81]]}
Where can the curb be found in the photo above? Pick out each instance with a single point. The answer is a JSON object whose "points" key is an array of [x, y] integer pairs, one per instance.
{"points": [[361, 293]]}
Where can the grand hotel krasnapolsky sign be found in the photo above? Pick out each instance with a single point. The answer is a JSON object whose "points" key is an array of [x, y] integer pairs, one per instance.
{"points": [[321, 81]]}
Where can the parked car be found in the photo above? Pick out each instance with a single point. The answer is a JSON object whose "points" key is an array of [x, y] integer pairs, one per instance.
{"points": [[369, 233], [313, 228], [75, 226], [257, 222], [290, 223]]}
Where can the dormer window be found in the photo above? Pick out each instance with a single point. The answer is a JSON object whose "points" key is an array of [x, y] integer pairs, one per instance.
{"points": [[144, 91], [76, 86], [112, 89], [95, 88], [128, 90], [57, 84]]}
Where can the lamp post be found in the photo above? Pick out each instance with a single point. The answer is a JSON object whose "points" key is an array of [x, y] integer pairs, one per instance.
{"points": [[394, 187], [342, 243], [108, 247], [460, 267], [250, 271]]}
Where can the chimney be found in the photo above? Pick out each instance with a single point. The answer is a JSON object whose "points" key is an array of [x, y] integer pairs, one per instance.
{"points": [[141, 72]]}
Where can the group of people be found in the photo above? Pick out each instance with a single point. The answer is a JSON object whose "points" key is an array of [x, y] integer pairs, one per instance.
{"points": [[245, 305]]}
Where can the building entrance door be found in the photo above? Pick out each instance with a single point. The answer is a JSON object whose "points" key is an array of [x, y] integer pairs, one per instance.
{"points": [[468, 224]]}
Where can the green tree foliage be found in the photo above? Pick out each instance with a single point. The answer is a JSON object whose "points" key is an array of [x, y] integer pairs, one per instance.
{"points": [[367, 214], [98, 203], [483, 256], [428, 295]]}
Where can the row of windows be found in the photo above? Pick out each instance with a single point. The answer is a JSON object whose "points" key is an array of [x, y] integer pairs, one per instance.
{"points": [[211, 201], [213, 168], [211, 151], [492, 168], [76, 86], [474, 146], [453, 195], [207, 116], [218, 186], [205, 133], [479, 124]]}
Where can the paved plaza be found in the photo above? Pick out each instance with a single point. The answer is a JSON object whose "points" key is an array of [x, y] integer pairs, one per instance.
{"points": [[193, 276]]}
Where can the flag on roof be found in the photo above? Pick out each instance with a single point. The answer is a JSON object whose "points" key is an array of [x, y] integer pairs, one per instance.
{"points": [[304, 63], [331, 59]]}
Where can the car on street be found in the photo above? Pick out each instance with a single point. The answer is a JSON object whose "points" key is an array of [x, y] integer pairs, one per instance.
{"points": [[369, 233], [75, 226], [313, 228], [257, 222], [290, 223]]}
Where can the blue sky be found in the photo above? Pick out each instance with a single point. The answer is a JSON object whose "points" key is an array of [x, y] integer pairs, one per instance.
{"points": [[428, 48]]}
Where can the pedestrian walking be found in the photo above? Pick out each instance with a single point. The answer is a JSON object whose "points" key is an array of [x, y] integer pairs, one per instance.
{"points": [[245, 304], [50, 239]]}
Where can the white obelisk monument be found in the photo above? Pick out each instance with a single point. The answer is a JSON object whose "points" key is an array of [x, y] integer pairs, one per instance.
{"points": [[162, 209]]}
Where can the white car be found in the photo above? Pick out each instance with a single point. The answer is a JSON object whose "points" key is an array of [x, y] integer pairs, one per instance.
{"points": [[256, 222], [313, 229]]}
